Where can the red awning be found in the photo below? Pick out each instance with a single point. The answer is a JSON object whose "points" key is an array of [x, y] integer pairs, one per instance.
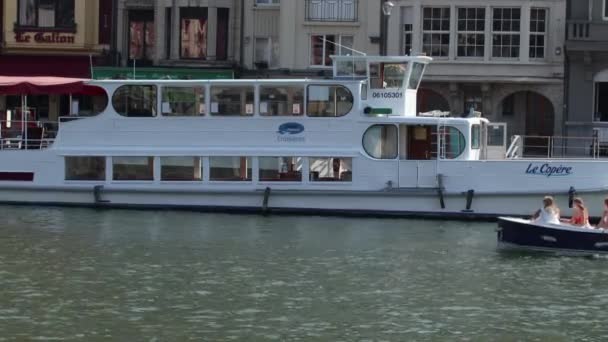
{"points": [[46, 85], [60, 66]]}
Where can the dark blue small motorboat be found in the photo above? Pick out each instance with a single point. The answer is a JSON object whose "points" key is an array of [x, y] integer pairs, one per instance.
{"points": [[515, 233]]}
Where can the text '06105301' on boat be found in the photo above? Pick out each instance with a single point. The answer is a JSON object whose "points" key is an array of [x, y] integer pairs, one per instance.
{"points": [[353, 144]]}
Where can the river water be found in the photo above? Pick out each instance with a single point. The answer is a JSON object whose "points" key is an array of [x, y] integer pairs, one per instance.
{"points": [[84, 275]]}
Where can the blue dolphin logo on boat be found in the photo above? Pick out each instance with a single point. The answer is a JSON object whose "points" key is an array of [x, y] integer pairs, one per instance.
{"points": [[291, 128]]}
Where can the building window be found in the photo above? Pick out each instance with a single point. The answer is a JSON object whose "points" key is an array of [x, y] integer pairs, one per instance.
{"points": [[267, 2], [85, 168], [380, 141], [329, 101], [331, 10], [605, 9], [505, 32], [323, 46], [193, 32], [280, 169], [141, 35], [538, 32], [471, 32], [181, 169], [46, 13], [331, 169], [232, 100], [281, 100], [407, 39], [221, 42], [183, 101], [601, 101], [267, 52], [436, 31], [135, 100], [133, 168], [230, 169]]}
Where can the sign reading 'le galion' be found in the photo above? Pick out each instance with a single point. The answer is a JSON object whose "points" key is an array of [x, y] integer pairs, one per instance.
{"points": [[44, 38]]}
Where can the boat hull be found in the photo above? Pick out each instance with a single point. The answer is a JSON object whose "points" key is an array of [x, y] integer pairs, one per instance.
{"points": [[521, 234]]}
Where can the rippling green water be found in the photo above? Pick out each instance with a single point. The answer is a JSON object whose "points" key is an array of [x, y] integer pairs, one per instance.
{"points": [[79, 274]]}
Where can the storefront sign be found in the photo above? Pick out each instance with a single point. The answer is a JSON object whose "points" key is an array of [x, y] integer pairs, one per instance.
{"points": [[44, 38]]}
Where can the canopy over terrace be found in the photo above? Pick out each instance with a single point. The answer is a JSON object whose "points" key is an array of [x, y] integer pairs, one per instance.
{"points": [[37, 85]]}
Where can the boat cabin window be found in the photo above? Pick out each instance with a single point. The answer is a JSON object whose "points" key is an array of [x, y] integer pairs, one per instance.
{"points": [[452, 142], [331, 169], [387, 75], [232, 100], [181, 169], [85, 168], [380, 141], [281, 100], [416, 76], [183, 101], [328, 101], [475, 137], [135, 100], [133, 168], [230, 169], [280, 169]]}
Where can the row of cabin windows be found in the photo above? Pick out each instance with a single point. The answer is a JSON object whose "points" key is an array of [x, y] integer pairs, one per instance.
{"points": [[321, 100], [222, 169], [382, 141]]}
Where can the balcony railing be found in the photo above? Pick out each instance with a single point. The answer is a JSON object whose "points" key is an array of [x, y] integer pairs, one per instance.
{"points": [[332, 10], [582, 30]]}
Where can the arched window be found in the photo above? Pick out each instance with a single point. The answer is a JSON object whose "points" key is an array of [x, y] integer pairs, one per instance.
{"points": [[135, 100], [380, 141], [452, 141], [329, 101]]}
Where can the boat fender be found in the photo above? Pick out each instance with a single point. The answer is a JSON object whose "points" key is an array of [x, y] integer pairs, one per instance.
{"points": [[571, 195], [470, 195], [97, 190], [440, 190], [265, 210]]}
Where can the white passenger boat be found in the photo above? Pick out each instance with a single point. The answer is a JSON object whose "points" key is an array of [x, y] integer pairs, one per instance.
{"points": [[353, 144]]}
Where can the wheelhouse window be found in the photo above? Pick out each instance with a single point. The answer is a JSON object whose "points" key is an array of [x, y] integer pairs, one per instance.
{"points": [[331, 169], [416, 76], [85, 168], [193, 32], [181, 169], [280, 169], [135, 100], [328, 101], [46, 13], [232, 100], [323, 46], [183, 101], [230, 169], [471, 32], [380, 141], [281, 100], [475, 137], [538, 32], [141, 36], [133, 168], [436, 31], [506, 32]]}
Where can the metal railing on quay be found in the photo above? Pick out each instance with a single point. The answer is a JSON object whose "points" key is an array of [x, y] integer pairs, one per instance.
{"points": [[551, 147]]}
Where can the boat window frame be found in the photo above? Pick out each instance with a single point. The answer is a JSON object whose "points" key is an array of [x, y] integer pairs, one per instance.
{"points": [[103, 171], [154, 109], [243, 113], [112, 164], [338, 180], [182, 181], [475, 127], [205, 97], [247, 180], [307, 100], [367, 154], [259, 101]]}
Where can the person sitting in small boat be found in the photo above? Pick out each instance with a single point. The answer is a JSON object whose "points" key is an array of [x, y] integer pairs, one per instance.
{"points": [[548, 214], [603, 224], [580, 214]]}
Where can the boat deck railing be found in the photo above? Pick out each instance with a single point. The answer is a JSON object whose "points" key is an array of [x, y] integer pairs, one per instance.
{"points": [[550, 147], [26, 135]]}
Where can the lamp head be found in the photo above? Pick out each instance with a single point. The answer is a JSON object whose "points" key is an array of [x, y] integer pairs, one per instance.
{"points": [[387, 7]]}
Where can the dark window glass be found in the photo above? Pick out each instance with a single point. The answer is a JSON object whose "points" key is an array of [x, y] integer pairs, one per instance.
{"points": [[135, 100]]}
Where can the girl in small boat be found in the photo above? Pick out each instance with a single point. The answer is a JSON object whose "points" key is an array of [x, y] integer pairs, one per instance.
{"points": [[580, 214], [548, 214], [604, 220]]}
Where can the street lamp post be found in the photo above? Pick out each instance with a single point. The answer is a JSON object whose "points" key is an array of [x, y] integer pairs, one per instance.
{"points": [[385, 13]]}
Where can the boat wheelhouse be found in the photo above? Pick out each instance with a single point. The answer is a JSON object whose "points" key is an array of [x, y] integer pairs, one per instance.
{"points": [[353, 144]]}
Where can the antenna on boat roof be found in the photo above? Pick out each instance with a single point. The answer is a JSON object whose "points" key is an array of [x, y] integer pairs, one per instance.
{"points": [[345, 47]]}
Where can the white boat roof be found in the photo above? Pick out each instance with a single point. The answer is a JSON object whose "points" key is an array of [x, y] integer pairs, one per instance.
{"points": [[285, 81]]}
